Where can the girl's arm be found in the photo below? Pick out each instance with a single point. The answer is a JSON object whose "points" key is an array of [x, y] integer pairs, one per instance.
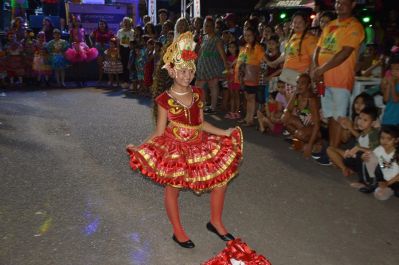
{"points": [[162, 120], [348, 124], [276, 62]]}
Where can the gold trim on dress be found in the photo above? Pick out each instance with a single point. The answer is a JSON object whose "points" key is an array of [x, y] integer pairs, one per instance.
{"points": [[186, 126]]}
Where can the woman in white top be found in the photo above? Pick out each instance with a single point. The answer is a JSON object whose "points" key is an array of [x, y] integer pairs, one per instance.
{"points": [[125, 35]]}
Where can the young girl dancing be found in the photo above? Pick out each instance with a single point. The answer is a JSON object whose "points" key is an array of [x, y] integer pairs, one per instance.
{"points": [[186, 152]]}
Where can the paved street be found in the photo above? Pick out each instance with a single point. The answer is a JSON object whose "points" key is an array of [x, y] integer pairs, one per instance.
{"points": [[69, 197]]}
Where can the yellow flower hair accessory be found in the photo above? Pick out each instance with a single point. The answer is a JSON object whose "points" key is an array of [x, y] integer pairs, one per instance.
{"points": [[180, 54]]}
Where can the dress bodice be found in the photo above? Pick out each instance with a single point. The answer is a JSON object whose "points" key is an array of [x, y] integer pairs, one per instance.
{"points": [[180, 113], [184, 122]]}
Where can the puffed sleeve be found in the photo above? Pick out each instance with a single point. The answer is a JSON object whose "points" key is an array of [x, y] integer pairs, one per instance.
{"points": [[162, 100]]}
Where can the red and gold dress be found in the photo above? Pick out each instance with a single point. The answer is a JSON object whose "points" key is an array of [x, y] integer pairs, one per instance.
{"points": [[185, 156]]}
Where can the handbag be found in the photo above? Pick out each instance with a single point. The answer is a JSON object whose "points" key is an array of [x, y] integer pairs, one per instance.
{"points": [[289, 76]]}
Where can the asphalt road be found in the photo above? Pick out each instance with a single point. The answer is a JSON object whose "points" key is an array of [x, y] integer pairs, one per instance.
{"points": [[69, 197]]}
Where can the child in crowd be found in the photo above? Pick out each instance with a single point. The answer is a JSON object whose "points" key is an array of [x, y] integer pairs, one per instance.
{"points": [[349, 125], [15, 64], [139, 36], [272, 72], [369, 62], [233, 86], [270, 119], [132, 66], [140, 63], [267, 33], [41, 66], [247, 69], [226, 39], [149, 29], [169, 39], [79, 53], [382, 174], [282, 96], [157, 53], [350, 160], [112, 63], [29, 44], [57, 48], [301, 117], [390, 91], [166, 27], [149, 65], [101, 37]]}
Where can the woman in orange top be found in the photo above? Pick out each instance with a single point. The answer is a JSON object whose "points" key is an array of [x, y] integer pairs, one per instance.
{"points": [[299, 48]]}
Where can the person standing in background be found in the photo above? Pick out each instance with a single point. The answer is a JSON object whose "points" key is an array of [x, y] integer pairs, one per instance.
{"points": [[125, 35], [335, 56], [163, 16]]}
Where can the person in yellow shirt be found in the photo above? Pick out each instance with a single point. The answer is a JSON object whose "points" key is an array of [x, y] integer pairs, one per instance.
{"points": [[335, 61], [298, 50], [300, 46]]}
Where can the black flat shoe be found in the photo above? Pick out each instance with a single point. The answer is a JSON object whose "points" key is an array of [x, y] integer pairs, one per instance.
{"points": [[185, 244], [226, 237]]}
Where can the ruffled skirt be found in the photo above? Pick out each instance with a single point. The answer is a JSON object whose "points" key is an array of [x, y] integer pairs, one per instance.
{"points": [[202, 163], [15, 65], [82, 55], [41, 66], [58, 62], [113, 67]]}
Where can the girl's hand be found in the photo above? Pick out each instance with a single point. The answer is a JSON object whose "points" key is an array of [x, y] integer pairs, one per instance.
{"points": [[131, 147], [229, 131]]}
